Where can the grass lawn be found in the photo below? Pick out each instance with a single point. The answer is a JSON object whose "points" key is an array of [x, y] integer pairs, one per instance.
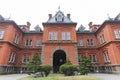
{"points": [[62, 77]]}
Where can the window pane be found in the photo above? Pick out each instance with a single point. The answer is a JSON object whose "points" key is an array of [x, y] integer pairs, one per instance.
{"points": [[63, 35], [50, 35], [38, 43], [116, 32], [1, 34], [80, 42], [92, 42], [55, 35], [68, 36], [94, 58]]}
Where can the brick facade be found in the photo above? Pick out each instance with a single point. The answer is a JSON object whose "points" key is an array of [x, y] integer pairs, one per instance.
{"points": [[59, 37]]}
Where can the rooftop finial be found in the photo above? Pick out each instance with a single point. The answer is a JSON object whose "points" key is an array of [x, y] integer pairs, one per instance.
{"points": [[59, 7]]}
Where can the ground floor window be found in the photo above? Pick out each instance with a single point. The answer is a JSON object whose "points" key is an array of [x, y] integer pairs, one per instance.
{"points": [[93, 57], [106, 57], [25, 59], [12, 57]]}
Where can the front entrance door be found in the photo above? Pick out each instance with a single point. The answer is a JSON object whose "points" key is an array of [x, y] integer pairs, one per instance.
{"points": [[59, 58]]}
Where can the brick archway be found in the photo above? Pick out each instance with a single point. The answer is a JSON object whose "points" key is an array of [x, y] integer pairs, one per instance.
{"points": [[62, 53]]}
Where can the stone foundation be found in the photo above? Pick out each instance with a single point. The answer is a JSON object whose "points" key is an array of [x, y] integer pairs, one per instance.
{"points": [[108, 69]]}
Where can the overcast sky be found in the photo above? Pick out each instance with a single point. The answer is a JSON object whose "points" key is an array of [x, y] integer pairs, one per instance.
{"points": [[36, 11]]}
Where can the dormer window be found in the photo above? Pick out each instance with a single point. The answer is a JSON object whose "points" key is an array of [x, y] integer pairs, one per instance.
{"points": [[59, 17]]}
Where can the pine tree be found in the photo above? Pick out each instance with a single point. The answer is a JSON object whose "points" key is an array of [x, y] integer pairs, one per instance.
{"points": [[35, 62], [85, 65]]}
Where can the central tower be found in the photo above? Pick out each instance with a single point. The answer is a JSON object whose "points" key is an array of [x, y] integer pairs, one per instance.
{"points": [[59, 40]]}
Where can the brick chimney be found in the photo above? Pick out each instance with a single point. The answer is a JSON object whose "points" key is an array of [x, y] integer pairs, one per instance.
{"points": [[92, 27], [68, 16], [50, 16]]}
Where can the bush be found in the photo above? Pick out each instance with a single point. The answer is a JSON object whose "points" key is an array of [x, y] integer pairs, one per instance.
{"points": [[68, 70], [46, 69]]}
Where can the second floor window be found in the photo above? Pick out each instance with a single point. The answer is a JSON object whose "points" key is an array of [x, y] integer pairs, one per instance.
{"points": [[80, 42], [28, 42], [38, 43], [25, 59], [1, 34], [66, 36], [102, 40], [16, 39], [53, 35], [90, 42], [117, 34], [12, 57]]}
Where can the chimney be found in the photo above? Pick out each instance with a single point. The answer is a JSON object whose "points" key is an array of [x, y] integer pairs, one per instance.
{"points": [[28, 24], [90, 24], [68, 16], [50, 16]]}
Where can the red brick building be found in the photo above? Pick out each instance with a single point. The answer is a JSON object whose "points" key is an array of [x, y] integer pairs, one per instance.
{"points": [[60, 40]]}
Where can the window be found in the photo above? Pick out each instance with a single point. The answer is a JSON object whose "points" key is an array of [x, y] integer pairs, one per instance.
{"points": [[63, 35], [80, 42], [93, 58], [79, 57], [28, 42], [25, 59], [50, 35], [90, 42], [1, 34], [106, 57], [12, 57], [117, 33], [66, 36], [102, 40], [38, 43], [16, 39], [53, 35]]}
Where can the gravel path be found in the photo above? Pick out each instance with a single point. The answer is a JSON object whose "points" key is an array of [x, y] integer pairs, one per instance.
{"points": [[106, 76], [12, 76]]}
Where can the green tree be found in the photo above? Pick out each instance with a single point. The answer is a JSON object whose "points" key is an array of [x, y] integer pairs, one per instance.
{"points": [[85, 65], [35, 62]]}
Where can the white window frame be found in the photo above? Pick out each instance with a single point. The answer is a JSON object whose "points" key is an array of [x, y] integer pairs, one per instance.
{"points": [[50, 37], [28, 42], [16, 39], [117, 34], [25, 58], [63, 36], [106, 57], [1, 34], [38, 42], [68, 35], [93, 58], [12, 57], [90, 42], [80, 42], [55, 35]]}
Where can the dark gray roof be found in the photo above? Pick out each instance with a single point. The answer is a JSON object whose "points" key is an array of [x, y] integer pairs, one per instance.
{"points": [[59, 18], [86, 31], [117, 17], [1, 18], [33, 31]]}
